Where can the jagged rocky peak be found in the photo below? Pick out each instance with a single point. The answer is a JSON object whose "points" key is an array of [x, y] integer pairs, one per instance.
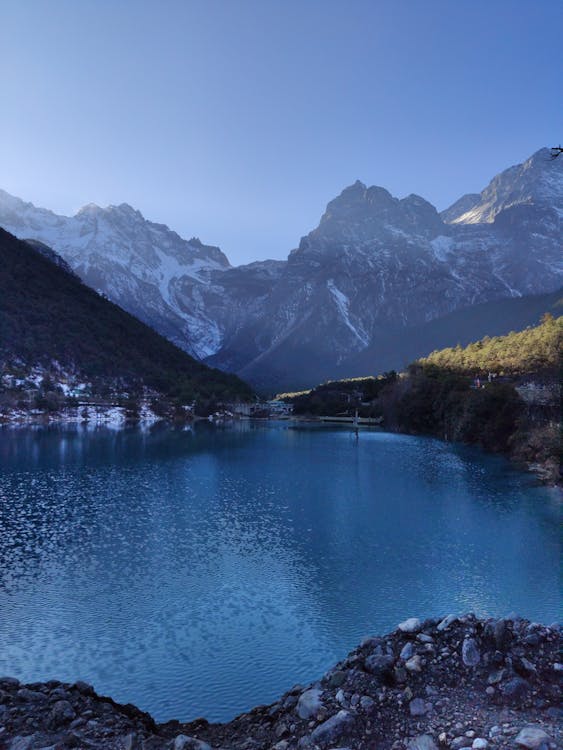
{"points": [[127, 209], [16, 213], [355, 201], [422, 215], [90, 209], [537, 181], [122, 214], [371, 215]]}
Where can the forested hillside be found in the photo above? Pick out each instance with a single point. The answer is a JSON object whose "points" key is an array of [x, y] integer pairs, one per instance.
{"points": [[501, 393], [51, 320], [535, 349]]}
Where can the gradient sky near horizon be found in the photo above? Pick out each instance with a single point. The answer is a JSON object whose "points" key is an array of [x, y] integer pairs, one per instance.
{"points": [[237, 121]]}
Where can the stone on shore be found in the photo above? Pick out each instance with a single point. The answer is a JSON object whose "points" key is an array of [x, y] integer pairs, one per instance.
{"points": [[183, 742], [332, 728], [422, 742], [470, 653], [412, 625], [309, 703], [532, 737]]}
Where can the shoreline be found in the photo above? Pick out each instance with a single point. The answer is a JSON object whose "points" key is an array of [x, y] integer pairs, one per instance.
{"points": [[442, 683], [116, 419]]}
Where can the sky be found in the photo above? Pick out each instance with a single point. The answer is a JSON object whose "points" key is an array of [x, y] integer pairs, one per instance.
{"points": [[238, 120]]}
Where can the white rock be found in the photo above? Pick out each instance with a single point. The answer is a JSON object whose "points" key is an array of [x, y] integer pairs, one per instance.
{"points": [[183, 742], [414, 664], [446, 622], [412, 625], [309, 703], [422, 742]]}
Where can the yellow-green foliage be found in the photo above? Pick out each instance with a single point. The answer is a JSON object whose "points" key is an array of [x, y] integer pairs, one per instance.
{"points": [[532, 350], [289, 395]]}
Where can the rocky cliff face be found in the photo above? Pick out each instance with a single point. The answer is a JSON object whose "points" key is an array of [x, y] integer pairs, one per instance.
{"points": [[375, 266]]}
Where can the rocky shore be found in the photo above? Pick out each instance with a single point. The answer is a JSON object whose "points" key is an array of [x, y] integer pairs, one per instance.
{"points": [[439, 684]]}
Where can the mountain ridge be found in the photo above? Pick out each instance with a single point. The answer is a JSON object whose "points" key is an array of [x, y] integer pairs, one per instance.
{"points": [[374, 263], [50, 320]]}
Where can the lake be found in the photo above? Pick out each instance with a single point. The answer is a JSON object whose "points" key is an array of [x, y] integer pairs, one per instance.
{"points": [[201, 572]]}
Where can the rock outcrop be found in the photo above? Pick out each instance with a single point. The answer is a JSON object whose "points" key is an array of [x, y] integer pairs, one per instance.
{"points": [[479, 684]]}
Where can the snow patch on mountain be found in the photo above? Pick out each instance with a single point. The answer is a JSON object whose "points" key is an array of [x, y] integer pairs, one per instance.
{"points": [[375, 263], [343, 306], [442, 247]]}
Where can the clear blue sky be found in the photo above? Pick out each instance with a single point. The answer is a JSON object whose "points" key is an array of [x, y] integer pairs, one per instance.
{"points": [[238, 120]]}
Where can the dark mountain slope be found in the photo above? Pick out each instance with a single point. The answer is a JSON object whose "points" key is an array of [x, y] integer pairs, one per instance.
{"points": [[399, 346], [47, 315]]}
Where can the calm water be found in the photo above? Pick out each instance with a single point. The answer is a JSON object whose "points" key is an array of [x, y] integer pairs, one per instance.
{"points": [[201, 573]]}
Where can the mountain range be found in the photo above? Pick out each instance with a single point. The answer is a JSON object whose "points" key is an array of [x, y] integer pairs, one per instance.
{"points": [[376, 270]]}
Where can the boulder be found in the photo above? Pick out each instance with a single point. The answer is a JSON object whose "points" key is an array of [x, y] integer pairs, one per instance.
{"points": [[414, 664], [407, 651], [446, 622], [532, 737], [422, 742], [412, 625], [379, 664], [62, 713], [418, 707], [332, 728], [515, 691], [183, 742], [309, 703], [470, 653]]}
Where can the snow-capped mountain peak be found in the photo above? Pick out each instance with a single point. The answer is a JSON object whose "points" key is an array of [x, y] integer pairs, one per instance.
{"points": [[136, 263], [376, 265], [537, 181]]}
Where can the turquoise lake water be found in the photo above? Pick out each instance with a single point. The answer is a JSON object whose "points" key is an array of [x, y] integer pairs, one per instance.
{"points": [[202, 572]]}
